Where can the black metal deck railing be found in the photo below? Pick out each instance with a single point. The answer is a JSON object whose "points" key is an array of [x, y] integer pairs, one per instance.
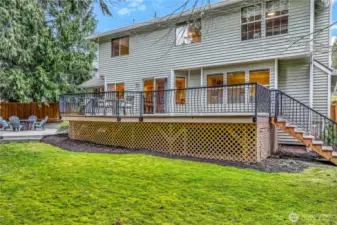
{"points": [[305, 118], [240, 99], [249, 98]]}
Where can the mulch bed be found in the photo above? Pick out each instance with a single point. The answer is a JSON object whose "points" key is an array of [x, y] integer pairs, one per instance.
{"points": [[283, 162]]}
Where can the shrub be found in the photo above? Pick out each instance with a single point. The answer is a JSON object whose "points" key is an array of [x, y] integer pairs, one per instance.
{"points": [[63, 126]]}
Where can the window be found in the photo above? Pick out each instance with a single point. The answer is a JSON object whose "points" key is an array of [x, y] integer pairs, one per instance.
{"points": [[236, 94], [117, 87], [188, 33], [259, 76], [111, 87], [148, 88], [251, 22], [180, 94], [120, 46], [215, 95], [277, 13]]}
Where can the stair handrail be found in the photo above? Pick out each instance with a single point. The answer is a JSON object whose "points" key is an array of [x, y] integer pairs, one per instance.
{"points": [[310, 120], [301, 103]]}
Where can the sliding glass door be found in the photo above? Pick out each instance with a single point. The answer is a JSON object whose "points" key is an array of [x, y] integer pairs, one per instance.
{"points": [[154, 95]]}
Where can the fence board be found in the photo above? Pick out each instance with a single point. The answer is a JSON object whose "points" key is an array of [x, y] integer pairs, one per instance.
{"points": [[24, 110], [333, 112]]}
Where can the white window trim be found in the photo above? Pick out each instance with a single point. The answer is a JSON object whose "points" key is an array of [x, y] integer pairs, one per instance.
{"points": [[275, 17], [119, 46], [115, 85], [260, 20], [186, 24]]}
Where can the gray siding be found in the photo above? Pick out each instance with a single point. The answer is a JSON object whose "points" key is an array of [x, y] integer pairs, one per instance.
{"points": [[155, 54], [293, 80], [195, 78], [320, 91], [321, 39], [321, 43], [221, 50]]}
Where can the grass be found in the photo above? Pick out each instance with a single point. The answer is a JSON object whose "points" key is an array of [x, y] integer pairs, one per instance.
{"points": [[42, 184]]}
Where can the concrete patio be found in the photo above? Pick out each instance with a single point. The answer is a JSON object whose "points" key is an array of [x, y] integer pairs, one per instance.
{"points": [[27, 135]]}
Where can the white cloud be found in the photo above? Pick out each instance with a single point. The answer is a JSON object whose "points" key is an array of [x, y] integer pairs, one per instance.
{"points": [[132, 6], [135, 3], [142, 7], [125, 11], [157, 4], [333, 39]]}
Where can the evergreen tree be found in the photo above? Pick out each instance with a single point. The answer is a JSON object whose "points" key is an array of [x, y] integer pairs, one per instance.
{"points": [[43, 51]]}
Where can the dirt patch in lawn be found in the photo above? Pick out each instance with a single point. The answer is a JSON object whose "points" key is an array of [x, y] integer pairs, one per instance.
{"points": [[283, 162]]}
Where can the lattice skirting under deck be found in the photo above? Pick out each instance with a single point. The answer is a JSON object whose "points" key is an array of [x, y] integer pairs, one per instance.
{"points": [[233, 142]]}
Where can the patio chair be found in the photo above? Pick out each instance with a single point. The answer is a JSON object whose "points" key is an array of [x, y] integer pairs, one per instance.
{"points": [[15, 123], [4, 124], [128, 104], [41, 123], [33, 119]]}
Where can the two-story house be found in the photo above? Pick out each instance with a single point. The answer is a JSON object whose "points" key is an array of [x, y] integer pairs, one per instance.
{"points": [[280, 44]]}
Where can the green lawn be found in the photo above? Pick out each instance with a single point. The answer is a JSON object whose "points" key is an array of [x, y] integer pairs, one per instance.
{"points": [[41, 184]]}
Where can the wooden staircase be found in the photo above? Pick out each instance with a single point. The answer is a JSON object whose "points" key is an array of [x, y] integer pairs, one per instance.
{"points": [[309, 141]]}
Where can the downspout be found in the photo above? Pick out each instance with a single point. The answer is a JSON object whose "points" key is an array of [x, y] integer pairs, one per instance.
{"points": [[311, 75], [330, 64], [276, 74]]}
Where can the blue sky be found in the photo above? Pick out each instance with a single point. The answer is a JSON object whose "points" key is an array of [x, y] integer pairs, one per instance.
{"points": [[141, 10]]}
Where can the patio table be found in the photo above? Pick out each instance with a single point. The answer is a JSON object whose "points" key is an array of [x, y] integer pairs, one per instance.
{"points": [[27, 124]]}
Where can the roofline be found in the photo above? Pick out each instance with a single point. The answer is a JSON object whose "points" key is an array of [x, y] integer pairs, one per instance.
{"points": [[158, 20]]}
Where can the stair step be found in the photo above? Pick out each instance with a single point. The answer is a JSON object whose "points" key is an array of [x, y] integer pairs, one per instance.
{"points": [[308, 137], [288, 125], [299, 131], [327, 148], [317, 142]]}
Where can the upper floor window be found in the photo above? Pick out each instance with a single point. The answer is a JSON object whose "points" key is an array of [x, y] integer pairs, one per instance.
{"points": [[188, 33], [277, 13], [120, 46], [251, 22]]}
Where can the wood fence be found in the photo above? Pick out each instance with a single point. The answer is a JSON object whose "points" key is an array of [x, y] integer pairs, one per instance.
{"points": [[333, 112], [24, 110]]}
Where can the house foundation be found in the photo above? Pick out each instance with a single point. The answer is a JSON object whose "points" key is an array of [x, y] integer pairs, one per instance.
{"points": [[247, 141]]}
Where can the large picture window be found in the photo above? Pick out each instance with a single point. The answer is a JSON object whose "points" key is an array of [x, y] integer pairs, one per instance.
{"points": [[215, 94], [251, 22], [180, 94], [188, 33], [236, 94], [120, 46], [277, 16]]}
